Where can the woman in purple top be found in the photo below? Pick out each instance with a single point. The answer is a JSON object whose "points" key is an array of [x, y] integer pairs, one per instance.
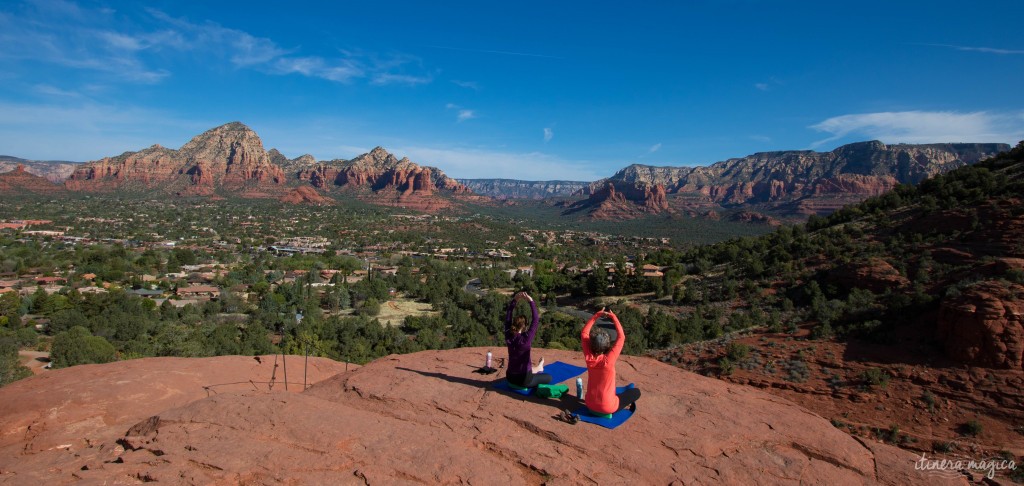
{"points": [[519, 339]]}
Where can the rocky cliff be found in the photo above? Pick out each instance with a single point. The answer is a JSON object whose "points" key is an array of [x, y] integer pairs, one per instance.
{"points": [[229, 158], [407, 419], [19, 181], [516, 189], [803, 182]]}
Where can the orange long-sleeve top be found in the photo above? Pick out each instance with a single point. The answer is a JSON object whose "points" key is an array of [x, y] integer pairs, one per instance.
{"points": [[601, 396]]}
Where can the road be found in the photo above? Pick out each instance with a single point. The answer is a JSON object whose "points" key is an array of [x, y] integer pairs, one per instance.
{"points": [[35, 360]]}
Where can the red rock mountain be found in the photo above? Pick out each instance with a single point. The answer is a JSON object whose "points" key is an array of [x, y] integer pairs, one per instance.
{"points": [[421, 418], [795, 182], [230, 159], [20, 181], [382, 178]]}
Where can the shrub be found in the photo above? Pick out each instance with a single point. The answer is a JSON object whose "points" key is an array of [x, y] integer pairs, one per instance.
{"points": [[943, 447], [725, 367], [737, 351], [971, 428], [875, 377], [929, 399]]}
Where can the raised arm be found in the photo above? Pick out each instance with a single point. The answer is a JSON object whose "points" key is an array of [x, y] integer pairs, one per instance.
{"points": [[536, 319], [585, 334], [620, 342], [508, 315]]}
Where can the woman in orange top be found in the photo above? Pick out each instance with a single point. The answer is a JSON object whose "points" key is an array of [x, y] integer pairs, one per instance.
{"points": [[601, 355]]}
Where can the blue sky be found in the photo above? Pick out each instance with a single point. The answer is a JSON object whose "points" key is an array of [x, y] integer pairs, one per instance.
{"points": [[528, 90]]}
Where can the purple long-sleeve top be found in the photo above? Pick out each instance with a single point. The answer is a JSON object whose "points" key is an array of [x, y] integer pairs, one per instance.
{"points": [[519, 343]]}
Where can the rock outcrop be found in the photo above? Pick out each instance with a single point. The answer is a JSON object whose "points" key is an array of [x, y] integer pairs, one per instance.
{"points": [[806, 182], [306, 195], [20, 182], [516, 189], [618, 200], [419, 418], [984, 325]]}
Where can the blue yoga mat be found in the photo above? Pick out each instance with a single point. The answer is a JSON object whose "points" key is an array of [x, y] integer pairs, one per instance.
{"points": [[558, 370], [617, 418]]}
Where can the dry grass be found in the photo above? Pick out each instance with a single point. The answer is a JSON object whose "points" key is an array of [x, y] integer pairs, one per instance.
{"points": [[394, 312]]}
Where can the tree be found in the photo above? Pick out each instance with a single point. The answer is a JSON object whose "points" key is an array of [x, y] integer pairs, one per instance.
{"points": [[10, 369], [77, 346]]}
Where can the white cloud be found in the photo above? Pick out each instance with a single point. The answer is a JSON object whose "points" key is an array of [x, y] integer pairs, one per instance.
{"points": [[762, 86], [548, 134], [465, 115], [761, 138], [654, 148], [451, 106], [383, 79], [474, 163], [924, 127], [987, 50], [467, 84]]}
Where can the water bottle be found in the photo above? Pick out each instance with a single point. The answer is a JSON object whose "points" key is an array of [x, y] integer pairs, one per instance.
{"points": [[488, 363], [579, 388]]}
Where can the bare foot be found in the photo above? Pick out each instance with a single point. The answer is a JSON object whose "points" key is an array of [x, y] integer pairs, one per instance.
{"points": [[539, 368]]}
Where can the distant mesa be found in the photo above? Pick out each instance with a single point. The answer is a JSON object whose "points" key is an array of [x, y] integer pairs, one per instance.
{"points": [[517, 189], [415, 418], [788, 182], [20, 181], [55, 171]]}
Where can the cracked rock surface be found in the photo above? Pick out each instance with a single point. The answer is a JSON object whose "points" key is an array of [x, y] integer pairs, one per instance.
{"points": [[413, 419]]}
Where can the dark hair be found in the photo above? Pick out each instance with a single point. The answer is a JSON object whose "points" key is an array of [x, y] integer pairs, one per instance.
{"points": [[600, 341], [519, 323]]}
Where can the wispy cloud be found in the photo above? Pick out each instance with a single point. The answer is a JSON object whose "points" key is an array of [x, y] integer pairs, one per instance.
{"points": [[475, 163], [654, 148], [761, 138], [462, 114], [383, 79], [924, 127], [548, 134], [502, 53], [987, 50], [473, 85], [100, 40], [768, 85]]}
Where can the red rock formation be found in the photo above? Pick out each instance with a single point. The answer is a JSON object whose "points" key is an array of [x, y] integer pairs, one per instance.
{"points": [[623, 201], [984, 326], [754, 217], [379, 177], [418, 418], [229, 157], [19, 182], [806, 182], [306, 195], [876, 275]]}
